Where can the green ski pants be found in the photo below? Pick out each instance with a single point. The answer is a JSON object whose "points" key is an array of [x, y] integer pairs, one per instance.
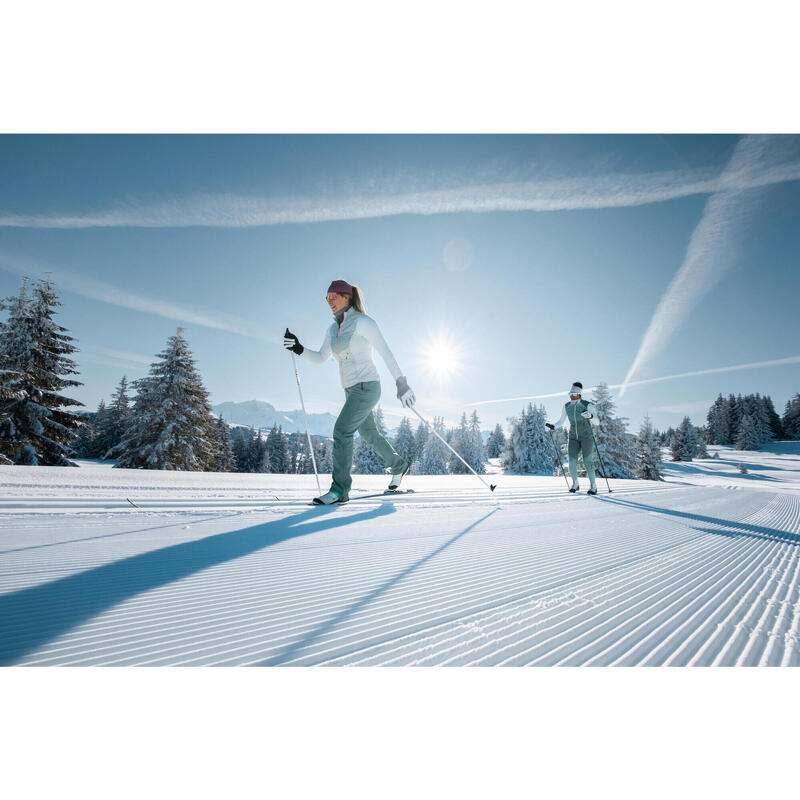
{"points": [[356, 415], [585, 444]]}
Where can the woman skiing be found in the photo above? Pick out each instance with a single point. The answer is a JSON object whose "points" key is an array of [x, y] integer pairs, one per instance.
{"points": [[581, 415], [351, 338]]}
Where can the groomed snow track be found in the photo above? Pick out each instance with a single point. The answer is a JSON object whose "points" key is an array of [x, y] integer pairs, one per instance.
{"points": [[653, 574]]}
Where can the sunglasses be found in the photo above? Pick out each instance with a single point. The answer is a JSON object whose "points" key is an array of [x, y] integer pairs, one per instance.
{"points": [[331, 297]]}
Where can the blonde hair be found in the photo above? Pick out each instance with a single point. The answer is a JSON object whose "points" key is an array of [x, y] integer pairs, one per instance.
{"points": [[357, 301]]}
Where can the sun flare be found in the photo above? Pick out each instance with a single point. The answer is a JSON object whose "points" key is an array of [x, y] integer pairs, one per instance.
{"points": [[441, 358]]}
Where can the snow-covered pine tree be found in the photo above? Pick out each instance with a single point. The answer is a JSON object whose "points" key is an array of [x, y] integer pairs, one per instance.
{"points": [[103, 426], [434, 457], [36, 428], [171, 424], [617, 447], [748, 438], [528, 450], [404, 442], [719, 422], [774, 420], [648, 453], [420, 437], [496, 442], [277, 451], [365, 460], [257, 451], [326, 462], [119, 416], [684, 442], [477, 458], [460, 442], [791, 418], [223, 453], [239, 448]]}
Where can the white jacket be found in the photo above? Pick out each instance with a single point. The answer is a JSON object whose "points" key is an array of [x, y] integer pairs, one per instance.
{"points": [[352, 343]]}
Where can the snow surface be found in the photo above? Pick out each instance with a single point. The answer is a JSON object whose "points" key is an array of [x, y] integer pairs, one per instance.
{"points": [[232, 569]]}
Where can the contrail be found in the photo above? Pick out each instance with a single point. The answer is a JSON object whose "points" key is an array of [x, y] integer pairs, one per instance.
{"points": [[736, 367], [711, 250], [616, 190], [106, 293]]}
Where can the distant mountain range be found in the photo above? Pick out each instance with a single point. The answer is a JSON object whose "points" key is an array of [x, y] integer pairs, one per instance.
{"points": [[260, 414]]}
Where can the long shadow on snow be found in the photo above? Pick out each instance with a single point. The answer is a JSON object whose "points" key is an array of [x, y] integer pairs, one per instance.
{"points": [[34, 616], [66, 542], [735, 528], [293, 649]]}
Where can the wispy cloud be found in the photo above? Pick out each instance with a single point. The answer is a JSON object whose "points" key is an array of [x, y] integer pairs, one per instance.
{"points": [[106, 293], [575, 193], [108, 357], [777, 362], [711, 250]]}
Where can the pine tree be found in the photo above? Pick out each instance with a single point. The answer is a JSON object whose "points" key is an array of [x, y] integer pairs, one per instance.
{"points": [[277, 451], [460, 442], [528, 451], [496, 442], [239, 442], [420, 438], [326, 462], [748, 438], [434, 457], [223, 453], [648, 453], [776, 427], [684, 442], [103, 425], [404, 443], [257, 452], [791, 418], [119, 416], [719, 422], [617, 447], [171, 425], [476, 457], [35, 428]]}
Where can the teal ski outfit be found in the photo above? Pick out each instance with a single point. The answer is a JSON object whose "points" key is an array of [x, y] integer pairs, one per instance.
{"points": [[581, 438], [351, 338]]}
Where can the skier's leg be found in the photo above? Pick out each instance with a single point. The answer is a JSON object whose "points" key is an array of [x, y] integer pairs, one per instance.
{"points": [[369, 432], [587, 446], [573, 448], [357, 407]]}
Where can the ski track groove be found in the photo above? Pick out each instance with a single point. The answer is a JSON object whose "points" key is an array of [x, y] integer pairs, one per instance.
{"points": [[638, 587]]}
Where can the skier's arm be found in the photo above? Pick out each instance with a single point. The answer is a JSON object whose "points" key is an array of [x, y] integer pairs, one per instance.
{"points": [[591, 410], [561, 419], [324, 352], [368, 328]]}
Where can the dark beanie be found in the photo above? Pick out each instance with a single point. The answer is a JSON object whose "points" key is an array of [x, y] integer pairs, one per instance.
{"points": [[341, 287]]}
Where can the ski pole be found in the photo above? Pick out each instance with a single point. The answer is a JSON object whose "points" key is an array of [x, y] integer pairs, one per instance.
{"points": [[308, 433], [558, 456], [490, 487], [600, 456]]}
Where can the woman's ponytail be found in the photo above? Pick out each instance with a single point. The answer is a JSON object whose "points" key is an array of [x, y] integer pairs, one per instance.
{"points": [[358, 300]]}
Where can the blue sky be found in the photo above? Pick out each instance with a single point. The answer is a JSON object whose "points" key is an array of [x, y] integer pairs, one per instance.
{"points": [[541, 259]]}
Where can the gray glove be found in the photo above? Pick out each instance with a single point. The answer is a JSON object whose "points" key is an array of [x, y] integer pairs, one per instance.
{"points": [[404, 393]]}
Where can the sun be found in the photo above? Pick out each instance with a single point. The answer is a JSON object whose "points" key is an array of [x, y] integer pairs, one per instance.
{"points": [[441, 357]]}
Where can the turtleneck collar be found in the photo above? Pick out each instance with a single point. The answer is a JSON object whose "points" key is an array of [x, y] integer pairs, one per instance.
{"points": [[339, 316]]}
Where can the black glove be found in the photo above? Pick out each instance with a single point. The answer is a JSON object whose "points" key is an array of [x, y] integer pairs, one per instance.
{"points": [[290, 342], [550, 425]]}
